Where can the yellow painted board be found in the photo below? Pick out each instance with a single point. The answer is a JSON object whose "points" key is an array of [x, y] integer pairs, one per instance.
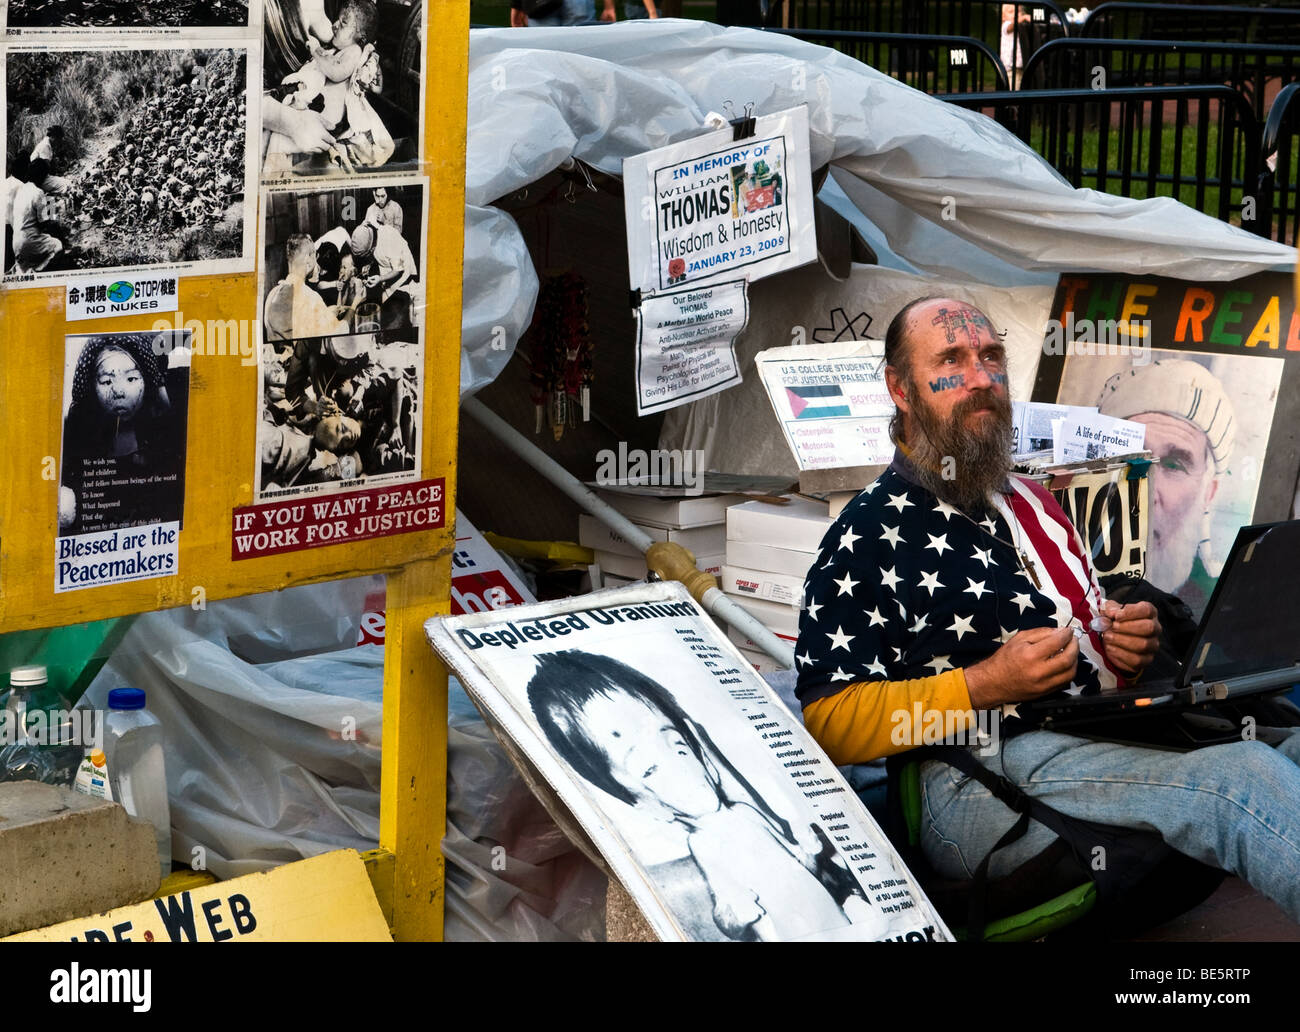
{"points": [[413, 781], [221, 452], [327, 898], [223, 406]]}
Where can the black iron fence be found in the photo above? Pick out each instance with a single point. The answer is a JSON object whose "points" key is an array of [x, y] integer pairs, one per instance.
{"points": [[1198, 144], [1257, 70], [1280, 168], [932, 64], [1036, 21], [1221, 23]]}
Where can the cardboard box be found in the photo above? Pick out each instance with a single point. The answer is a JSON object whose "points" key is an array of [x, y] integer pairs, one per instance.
{"points": [[778, 618], [710, 540], [799, 525], [635, 567], [669, 513], [760, 584], [785, 561], [746, 643]]}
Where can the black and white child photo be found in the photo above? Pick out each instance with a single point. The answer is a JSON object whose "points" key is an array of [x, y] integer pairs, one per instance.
{"points": [[341, 87]]}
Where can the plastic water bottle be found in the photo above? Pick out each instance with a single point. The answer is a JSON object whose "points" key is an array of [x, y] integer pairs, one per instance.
{"points": [[22, 758], [137, 776]]}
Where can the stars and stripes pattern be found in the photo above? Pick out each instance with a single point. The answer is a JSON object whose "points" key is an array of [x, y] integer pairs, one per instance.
{"points": [[908, 586]]}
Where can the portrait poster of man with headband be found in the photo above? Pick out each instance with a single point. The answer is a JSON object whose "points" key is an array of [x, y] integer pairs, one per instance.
{"points": [[1209, 369]]}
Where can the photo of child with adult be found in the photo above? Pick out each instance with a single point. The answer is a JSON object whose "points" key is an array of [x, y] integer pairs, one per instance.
{"points": [[354, 255], [341, 87], [125, 403], [342, 352]]}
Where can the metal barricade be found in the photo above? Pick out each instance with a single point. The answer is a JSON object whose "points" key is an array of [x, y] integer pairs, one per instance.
{"points": [[932, 64], [1280, 167], [1211, 23], [1198, 144], [1256, 70]]}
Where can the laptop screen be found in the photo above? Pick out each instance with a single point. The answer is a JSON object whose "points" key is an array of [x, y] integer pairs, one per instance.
{"points": [[1252, 623]]}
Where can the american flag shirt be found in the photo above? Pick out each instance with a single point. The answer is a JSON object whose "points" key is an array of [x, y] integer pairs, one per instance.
{"points": [[907, 586]]}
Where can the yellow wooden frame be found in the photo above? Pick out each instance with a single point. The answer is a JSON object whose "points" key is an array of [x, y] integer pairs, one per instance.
{"points": [[221, 446]]}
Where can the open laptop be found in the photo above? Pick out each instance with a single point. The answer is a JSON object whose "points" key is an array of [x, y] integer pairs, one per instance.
{"points": [[1247, 644]]}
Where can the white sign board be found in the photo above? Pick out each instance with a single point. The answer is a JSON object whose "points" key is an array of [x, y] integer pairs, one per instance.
{"points": [[716, 208], [108, 296], [1096, 437], [831, 402], [685, 345], [708, 800]]}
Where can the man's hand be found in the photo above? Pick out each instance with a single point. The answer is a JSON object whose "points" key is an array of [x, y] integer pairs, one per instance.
{"points": [[609, 14], [1029, 664], [1134, 635], [518, 19]]}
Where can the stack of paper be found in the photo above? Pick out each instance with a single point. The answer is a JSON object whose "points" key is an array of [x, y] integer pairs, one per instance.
{"points": [[697, 523], [1045, 434], [770, 549]]}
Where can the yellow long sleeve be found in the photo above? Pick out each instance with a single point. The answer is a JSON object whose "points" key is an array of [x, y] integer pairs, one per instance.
{"points": [[871, 719]]}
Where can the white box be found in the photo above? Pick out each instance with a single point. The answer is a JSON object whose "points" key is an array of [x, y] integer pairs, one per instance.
{"points": [[635, 567], [785, 561], [745, 642], [799, 525], [777, 618], [710, 540], [674, 512], [770, 587]]}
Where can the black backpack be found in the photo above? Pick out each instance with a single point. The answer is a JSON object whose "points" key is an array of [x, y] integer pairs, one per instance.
{"points": [[1139, 880]]}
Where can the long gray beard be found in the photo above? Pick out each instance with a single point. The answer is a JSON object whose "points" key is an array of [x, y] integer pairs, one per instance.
{"points": [[979, 463]]}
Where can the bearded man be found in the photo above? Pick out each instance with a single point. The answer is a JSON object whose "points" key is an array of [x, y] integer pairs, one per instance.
{"points": [[951, 584]]}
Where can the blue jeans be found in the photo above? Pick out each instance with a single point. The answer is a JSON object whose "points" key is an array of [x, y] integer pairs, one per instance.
{"points": [[632, 11], [1234, 806], [571, 12]]}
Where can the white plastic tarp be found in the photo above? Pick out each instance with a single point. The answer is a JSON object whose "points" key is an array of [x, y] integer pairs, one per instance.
{"points": [[540, 97]]}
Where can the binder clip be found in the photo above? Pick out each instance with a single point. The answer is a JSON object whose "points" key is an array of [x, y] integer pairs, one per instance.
{"points": [[744, 127], [634, 298]]}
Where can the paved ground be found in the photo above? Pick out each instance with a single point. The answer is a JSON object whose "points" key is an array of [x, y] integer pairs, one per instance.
{"points": [[1235, 913]]}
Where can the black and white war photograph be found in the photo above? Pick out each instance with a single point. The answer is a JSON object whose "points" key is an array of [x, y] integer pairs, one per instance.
{"points": [[342, 353], [127, 158], [675, 757], [342, 86], [37, 15]]}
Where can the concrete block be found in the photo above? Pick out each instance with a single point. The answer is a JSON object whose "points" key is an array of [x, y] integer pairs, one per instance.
{"points": [[66, 855]]}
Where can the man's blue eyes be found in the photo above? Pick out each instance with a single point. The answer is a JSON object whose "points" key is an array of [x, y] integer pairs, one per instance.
{"points": [[995, 359]]}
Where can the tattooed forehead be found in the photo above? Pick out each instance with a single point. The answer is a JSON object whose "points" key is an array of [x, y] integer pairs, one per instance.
{"points": [[964, 323]]}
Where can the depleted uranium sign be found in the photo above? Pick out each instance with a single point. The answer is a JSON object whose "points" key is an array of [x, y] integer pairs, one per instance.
{"points": [[716, 208], [686, 344], [831, 402]]}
